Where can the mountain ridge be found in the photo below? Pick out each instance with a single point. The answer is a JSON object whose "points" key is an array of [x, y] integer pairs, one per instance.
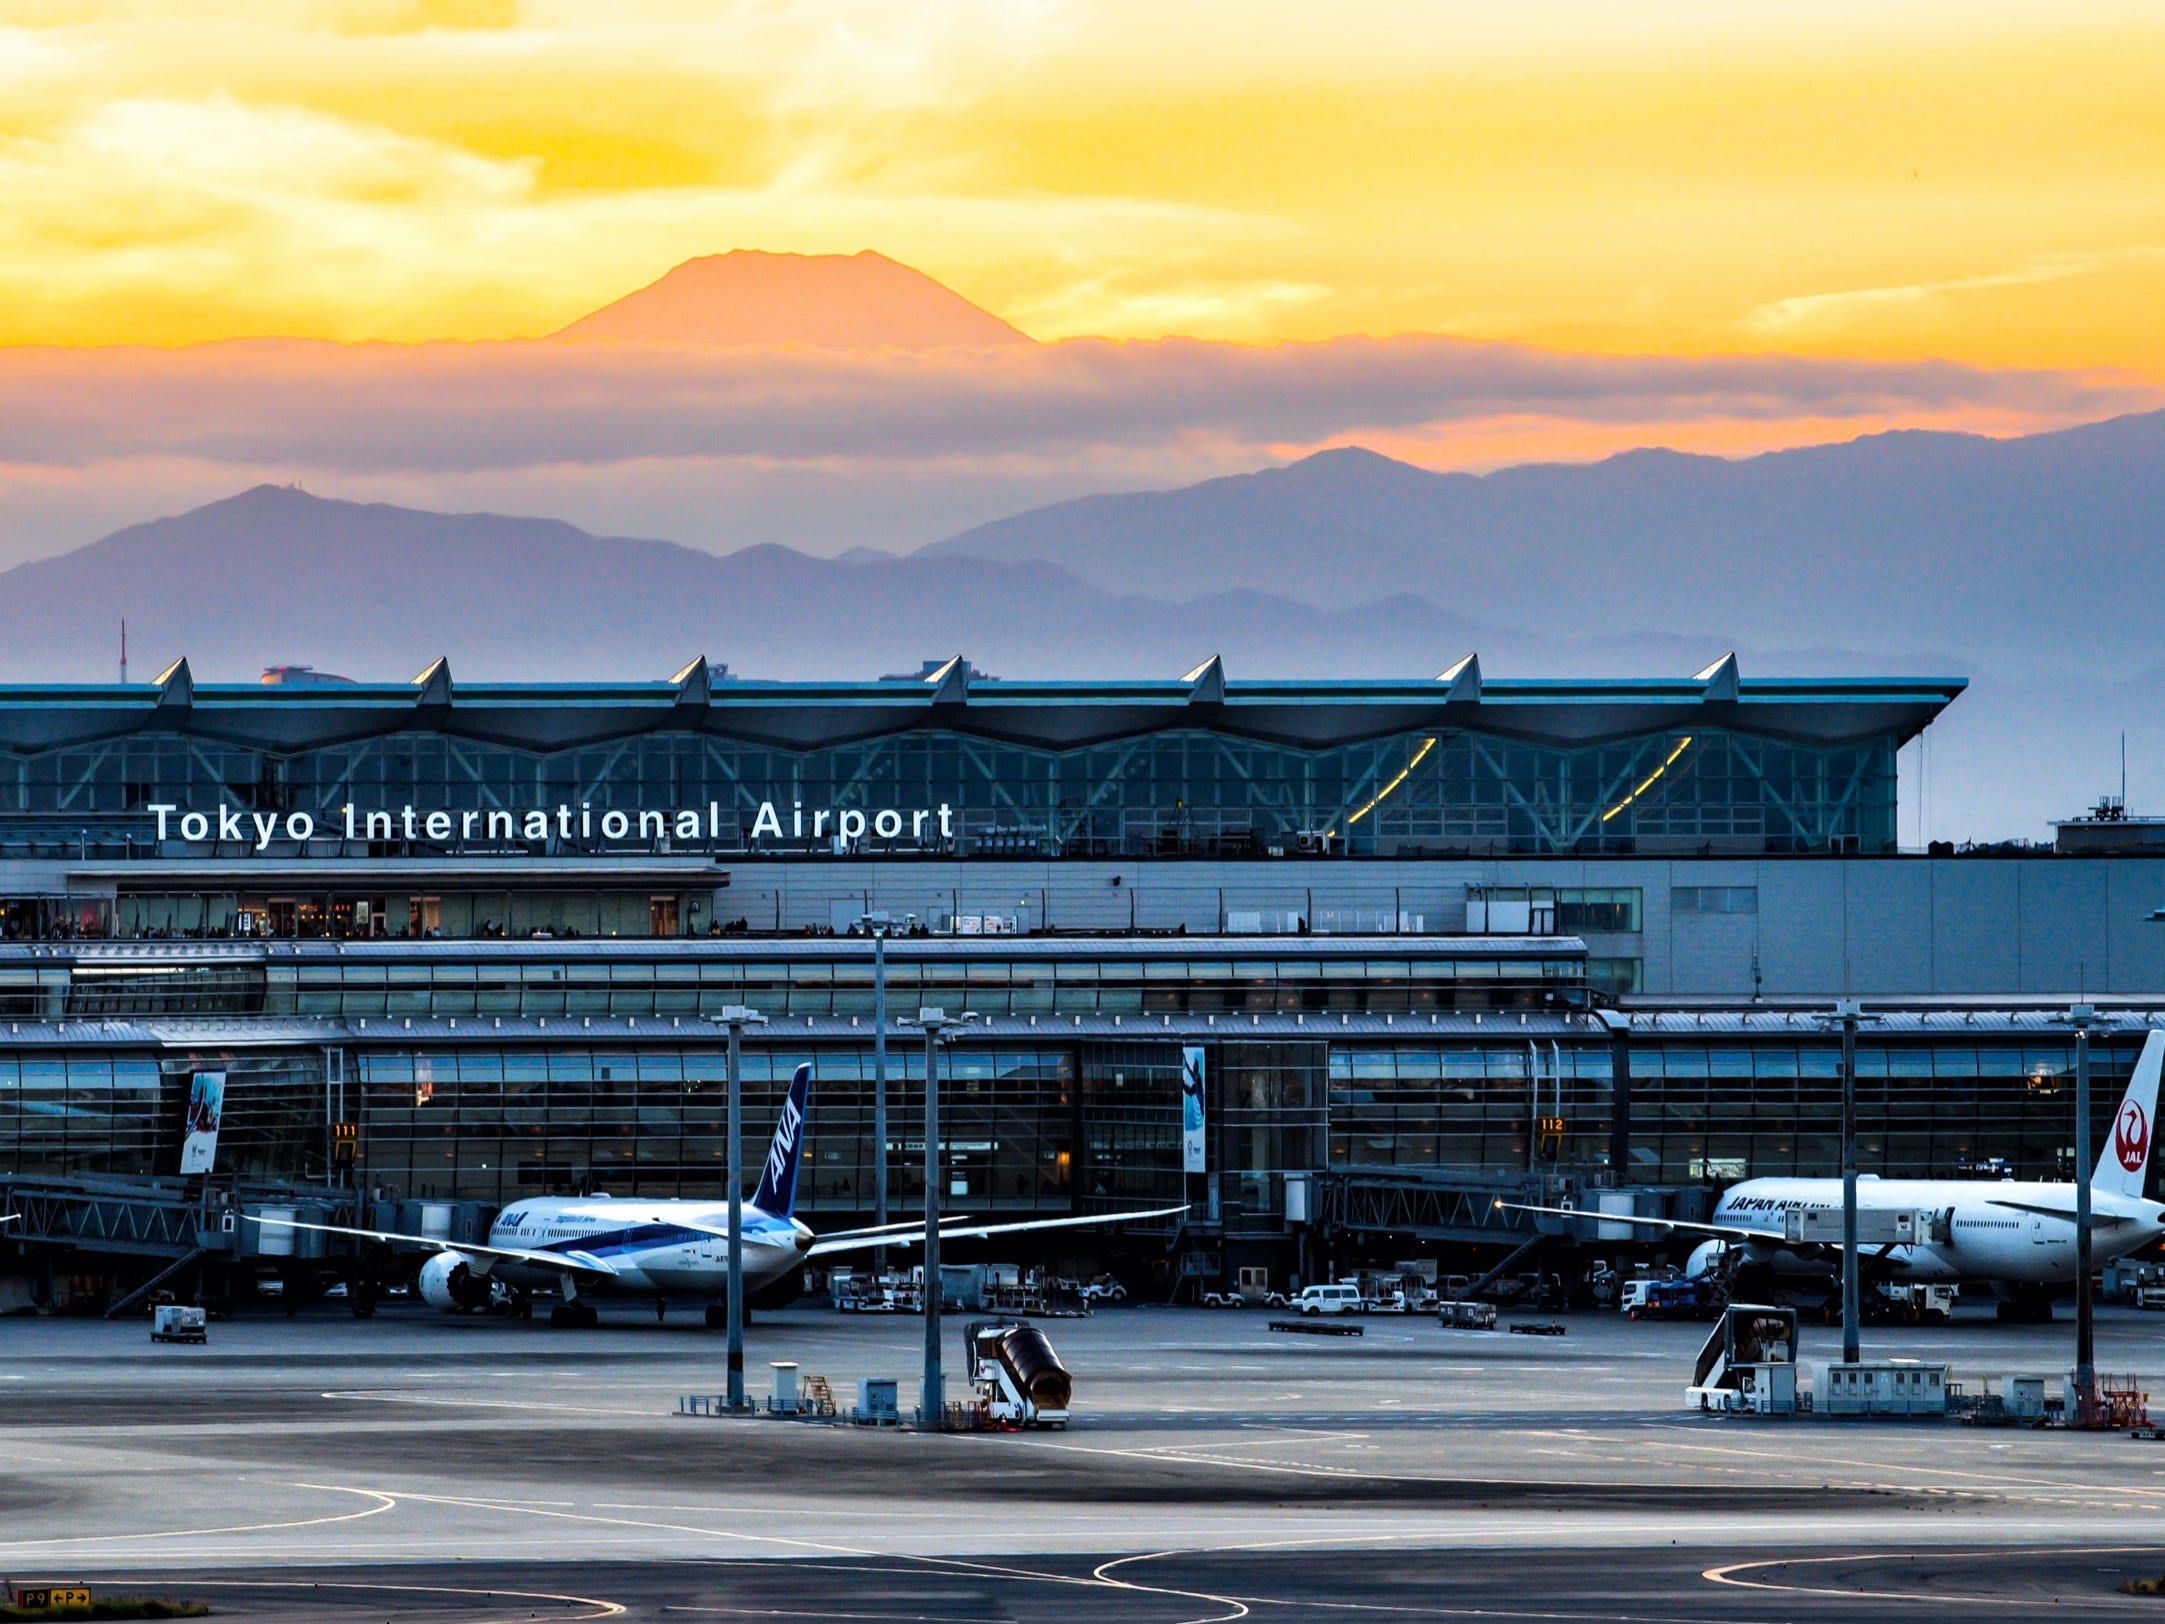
{"points": [[1904, 539], [750, 297]]}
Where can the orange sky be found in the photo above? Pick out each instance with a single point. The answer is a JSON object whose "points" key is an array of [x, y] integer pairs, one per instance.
{"points": [[1981, 181]]}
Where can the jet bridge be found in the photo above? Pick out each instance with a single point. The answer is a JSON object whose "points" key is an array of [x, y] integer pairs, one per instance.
{"points": [[1876, 1226], [148, 1230]]}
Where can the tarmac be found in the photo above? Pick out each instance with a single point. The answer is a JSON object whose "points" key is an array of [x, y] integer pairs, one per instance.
{"points": [[422, 1466]]}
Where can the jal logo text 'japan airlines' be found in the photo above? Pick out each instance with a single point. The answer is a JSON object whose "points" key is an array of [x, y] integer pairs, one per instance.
{"points": [[2131, 1137]]}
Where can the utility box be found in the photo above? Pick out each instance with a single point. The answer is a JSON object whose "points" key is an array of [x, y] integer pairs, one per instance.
{"points": [[1892, 1387], [878, 1403], [784, 1401], [2026, 1398]]}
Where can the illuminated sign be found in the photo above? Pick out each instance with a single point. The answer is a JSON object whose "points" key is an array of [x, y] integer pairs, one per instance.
{"points": [[47, 1598], [839, 828]]}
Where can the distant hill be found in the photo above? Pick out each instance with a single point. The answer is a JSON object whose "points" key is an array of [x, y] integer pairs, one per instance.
{"points": [[276, 575], [829, 301], [2028, 549]]}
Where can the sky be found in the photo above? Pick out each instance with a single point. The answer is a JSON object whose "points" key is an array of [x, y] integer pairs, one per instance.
{"points": [[1822, 219], [1981, 182]]}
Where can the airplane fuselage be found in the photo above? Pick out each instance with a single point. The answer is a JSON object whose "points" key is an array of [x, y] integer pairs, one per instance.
{"points": [[655, 1248], [1981, 1232]]}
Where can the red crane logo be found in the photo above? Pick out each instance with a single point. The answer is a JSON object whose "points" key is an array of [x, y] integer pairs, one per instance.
{"points": [[2131, 1137]]}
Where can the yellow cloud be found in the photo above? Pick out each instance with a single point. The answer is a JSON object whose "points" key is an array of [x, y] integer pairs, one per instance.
{"points": [[1691, 178]]}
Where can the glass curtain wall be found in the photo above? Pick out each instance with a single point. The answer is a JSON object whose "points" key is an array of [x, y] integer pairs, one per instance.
{"points": [[1717, 1113], [991, 986], [64, 1114], [494, 1125], [1176, 792]]}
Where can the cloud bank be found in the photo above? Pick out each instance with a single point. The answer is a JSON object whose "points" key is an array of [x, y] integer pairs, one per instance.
{"points": [[465, 407], [826, 449]]}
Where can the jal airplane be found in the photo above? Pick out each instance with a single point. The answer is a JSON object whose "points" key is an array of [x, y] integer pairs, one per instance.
{"points": [[660, 1251], [2018, 1238]]}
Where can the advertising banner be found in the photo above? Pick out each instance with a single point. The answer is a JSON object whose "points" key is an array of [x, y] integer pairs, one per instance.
{"points": [[1191, 1111], [206, 1104]]}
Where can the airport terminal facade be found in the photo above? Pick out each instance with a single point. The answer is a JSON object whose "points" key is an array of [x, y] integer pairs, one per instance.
{"points": [[452, 946]]}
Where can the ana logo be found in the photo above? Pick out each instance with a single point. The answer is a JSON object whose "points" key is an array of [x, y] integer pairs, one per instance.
{"points": [[785, 1140], [2131, 1137]]}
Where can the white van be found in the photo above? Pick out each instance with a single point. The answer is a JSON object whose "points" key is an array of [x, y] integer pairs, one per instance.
{"points": [[1329, 1300]]}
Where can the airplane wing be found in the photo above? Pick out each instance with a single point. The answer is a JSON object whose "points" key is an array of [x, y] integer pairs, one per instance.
{"points": [[864, 1243], [1720, 1232], [917, 1224], [2098, 1220], [562, 1262]]}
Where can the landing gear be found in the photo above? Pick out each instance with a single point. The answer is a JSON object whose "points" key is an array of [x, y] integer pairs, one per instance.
{"points": [[661, 1310], [574, 1317], [717, 1316]]}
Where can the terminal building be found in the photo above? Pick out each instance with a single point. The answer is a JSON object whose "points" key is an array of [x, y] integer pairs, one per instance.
{"points": [[1433, 940]]}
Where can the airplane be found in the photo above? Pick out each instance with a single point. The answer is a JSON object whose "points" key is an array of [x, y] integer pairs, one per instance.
{"points": [[2017, 1238], [589, 1247]]}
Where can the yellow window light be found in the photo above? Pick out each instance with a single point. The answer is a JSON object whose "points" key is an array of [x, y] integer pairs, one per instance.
{"points": [[1647, 782], [1382, 794]]}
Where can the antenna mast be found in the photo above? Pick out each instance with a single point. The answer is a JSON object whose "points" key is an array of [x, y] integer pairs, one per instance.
{"points": [[124, 649]]}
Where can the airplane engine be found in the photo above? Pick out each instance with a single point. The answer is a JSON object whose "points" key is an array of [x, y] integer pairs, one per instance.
{"points": [[449, 1282], [1706, 1259]]}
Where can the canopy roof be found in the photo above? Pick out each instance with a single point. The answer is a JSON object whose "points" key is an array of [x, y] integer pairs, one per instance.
{"points": [[1302, 714]]}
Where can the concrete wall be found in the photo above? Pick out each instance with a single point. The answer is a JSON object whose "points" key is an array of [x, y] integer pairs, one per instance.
{"points": [[1867, 925]]}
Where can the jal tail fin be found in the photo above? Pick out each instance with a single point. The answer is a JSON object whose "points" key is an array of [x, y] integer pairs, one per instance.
{"points": [[777, 1193], [2126, 1160]]}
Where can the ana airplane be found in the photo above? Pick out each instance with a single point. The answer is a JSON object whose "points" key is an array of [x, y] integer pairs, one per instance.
{"points": [[659, 1251], [2018, 1238]]}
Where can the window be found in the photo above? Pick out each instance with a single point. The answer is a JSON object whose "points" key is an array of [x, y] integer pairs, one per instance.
{"points": [[1714, 899], [1582, 908], [1616, 977]]}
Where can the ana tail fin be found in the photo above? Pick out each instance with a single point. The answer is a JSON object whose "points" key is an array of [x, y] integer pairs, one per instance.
{"points": [[777, 1193], [2126, 1159]]}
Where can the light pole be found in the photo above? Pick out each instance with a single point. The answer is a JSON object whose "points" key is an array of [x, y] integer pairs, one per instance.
{"points": [[737, 1017], [932, 1397], [879, 928], [1848, 1011], [2081, 1018]]}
